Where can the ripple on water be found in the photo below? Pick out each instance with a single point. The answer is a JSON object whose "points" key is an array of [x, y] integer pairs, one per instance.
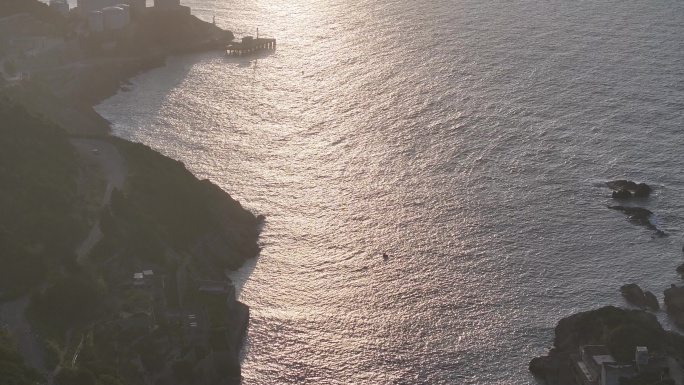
{"points": [[469, 140]]}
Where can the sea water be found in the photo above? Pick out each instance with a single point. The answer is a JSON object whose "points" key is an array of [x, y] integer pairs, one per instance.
{"points": [[468, 139]]}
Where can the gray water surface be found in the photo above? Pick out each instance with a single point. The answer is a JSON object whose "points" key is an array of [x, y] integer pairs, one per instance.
{"points": [[470, 140]]}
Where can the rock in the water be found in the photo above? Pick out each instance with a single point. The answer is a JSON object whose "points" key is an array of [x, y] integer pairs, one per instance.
{"points": [[640, 190], [622, 184], [622, 194], [633, 294], [680, 269], [674, 304], [651, 301], [543, 366], [634, 212], [639, 216]]}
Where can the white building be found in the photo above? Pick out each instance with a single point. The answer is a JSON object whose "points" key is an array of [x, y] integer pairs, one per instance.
{"points": [[595, 366]]}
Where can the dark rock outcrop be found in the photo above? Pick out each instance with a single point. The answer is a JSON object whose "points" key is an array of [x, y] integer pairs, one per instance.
{"points": [[651, 301], [622, 184], [622, 187], [639, 216], [633, 294], [674, 304], [642, 190], [680, 269], [547, 367], [637, 213], [622, 194]]}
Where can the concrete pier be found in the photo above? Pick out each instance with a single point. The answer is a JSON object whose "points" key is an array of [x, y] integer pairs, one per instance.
{"points": [[250, 45]]}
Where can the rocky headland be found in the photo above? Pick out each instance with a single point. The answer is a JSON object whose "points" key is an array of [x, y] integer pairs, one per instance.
{"points": [[118, 253], [620, 330]]}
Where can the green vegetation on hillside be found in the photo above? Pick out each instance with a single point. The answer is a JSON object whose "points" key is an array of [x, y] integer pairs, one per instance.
{"points": [[41, 222], [620, 329], [97, 368], [73, 118], [12, 368], [39, 10], [175, 29], [164, 205], [69, 302]]}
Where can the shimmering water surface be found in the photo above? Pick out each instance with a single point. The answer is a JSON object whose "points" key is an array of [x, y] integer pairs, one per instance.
{"points": [[467, 139]]}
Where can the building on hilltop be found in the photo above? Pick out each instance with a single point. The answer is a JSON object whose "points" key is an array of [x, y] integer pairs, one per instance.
{"points": [[108, 14], [594, 365], [138, 280], [148, 277], [196, 326]]}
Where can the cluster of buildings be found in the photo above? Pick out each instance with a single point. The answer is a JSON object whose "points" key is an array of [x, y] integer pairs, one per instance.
{"points": [[192, 317], [594, 365], [202, 309], [144, 279], [112, 15], [26, 44]]}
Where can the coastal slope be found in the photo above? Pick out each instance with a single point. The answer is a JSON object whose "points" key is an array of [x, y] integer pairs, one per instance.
{"points": [[118, 254]]}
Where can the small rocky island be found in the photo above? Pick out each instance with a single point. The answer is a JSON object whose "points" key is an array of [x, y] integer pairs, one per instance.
{"points": [[626, 190], [114, 259]]}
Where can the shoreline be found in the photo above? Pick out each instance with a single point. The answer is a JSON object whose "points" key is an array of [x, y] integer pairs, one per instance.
{"points": [[226, 241], [621, 333]]}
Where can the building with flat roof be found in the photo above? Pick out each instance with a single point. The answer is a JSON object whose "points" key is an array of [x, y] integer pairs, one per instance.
{"points": [[138, 279], [594, 365]]}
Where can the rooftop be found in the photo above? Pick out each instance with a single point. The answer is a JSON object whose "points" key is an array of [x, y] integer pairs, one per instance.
{"points": [[603, 358]]}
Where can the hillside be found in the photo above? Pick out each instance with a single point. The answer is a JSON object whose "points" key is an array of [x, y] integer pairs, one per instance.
{"points": [[148, 212], [42, 218]]}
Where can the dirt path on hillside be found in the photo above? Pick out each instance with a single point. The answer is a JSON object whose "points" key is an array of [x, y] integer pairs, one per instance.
{"points": [[13, 316], [109, 158], [114, 170]]}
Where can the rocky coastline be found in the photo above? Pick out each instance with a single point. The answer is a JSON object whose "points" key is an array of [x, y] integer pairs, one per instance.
{"points": [[619, 330], [179, 322]]}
